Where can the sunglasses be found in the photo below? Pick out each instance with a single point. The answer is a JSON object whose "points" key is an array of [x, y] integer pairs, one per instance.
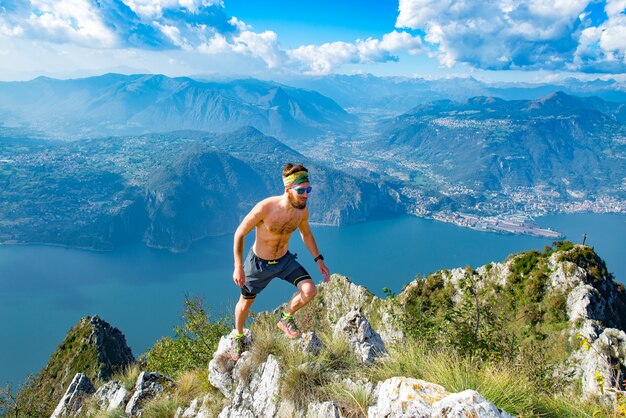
{"points": [[301, 190]]}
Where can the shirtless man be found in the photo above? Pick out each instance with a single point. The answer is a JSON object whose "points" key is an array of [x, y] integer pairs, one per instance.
{"points": [[274, 220]]}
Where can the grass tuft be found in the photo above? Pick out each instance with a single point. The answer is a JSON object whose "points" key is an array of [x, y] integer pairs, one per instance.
{"points": [[192, 384], [353, 401], [127, 376], [161, 407]]}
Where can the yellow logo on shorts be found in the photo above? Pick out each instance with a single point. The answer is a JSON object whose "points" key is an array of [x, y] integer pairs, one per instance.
{"points": [[272, 262]]}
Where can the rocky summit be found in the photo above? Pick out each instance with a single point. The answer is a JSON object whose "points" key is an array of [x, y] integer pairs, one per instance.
{"points": [[553, 319], [90, 353]]}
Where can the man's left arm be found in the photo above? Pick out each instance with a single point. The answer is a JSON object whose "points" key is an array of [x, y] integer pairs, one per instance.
{"points": [[311, 245]]}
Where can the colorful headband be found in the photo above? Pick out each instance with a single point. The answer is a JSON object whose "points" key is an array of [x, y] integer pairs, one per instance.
{"points": [[296, 178]]}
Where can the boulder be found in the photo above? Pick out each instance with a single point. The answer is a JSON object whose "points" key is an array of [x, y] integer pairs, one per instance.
{"points": [[341, 296], [147, 387], [468, 403], [328, 409], [403, 397], [197, 409], [71, 403], [366, 342], [111, 395], [310, 343], [585, 302], [256, 398], [601, 363], [221, 365], [362, 385]]}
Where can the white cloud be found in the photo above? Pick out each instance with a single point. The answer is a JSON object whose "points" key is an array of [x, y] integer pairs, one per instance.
{"points": [[216, 45], [173, 34], [240, 25], [325, 58], [261, 45], [603, 47], [497, 34], [150, 9], [10, 30], [75, 20]]}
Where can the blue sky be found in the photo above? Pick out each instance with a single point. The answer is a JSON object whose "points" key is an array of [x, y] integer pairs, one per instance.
{"points": [[500, 40]]}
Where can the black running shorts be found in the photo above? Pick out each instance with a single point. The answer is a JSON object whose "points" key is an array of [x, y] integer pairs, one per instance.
{"points": [[260, 272]]}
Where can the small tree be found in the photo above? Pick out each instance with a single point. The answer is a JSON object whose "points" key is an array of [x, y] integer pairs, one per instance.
{"points": [[193, 343]]}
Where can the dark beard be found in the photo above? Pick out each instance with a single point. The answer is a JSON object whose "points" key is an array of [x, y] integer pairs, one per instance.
{"points": [[296, 203]]}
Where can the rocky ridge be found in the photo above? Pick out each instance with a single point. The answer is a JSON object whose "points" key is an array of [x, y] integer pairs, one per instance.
{"points": [[91, 353], [251, 387]]}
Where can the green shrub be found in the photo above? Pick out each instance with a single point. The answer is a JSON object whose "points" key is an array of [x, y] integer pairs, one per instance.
{"points": [[563, 245], [193, 344], [586, 258], [556, 307], [525, 263]]}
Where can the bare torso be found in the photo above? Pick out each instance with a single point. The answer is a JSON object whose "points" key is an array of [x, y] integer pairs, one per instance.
{"points": [[275, 229]]}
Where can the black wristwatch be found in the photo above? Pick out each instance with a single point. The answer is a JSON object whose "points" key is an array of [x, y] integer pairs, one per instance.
{"points": [[319, 257]]}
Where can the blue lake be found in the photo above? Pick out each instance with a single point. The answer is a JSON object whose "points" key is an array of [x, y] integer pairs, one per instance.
{"points": [[45, 290]]}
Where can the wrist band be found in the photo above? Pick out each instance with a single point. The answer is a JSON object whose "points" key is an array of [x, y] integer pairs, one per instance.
{"points": [[319, 257]]}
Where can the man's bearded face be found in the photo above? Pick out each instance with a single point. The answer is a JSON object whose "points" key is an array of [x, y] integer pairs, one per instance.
{"points": [[298, 201]]}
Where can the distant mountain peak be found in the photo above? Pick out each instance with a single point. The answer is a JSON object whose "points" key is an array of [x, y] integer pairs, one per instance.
{"points": [[558, 98], [483, 100]]}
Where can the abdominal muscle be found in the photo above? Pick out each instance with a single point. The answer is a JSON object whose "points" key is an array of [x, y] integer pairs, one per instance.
{"points": [[269, 245]]}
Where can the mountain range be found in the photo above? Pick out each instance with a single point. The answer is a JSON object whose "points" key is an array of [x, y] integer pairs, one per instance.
{"points": [[166, 189], [365, 92], [115, 104], [173, 160], [559, 141]]}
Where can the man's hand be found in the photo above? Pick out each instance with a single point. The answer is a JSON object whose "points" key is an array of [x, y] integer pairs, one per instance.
{"points": [[324, 270], [239, 276]]}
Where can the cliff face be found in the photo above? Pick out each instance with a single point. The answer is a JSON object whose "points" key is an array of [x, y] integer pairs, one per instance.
{"points": [[92, 347], [560, 307]]}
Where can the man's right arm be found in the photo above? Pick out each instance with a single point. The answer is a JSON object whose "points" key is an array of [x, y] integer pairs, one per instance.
{"points": [[255, 216]]}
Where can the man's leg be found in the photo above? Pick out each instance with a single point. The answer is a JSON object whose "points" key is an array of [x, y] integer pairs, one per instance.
{"points": [[306, 293], [241, 313]]}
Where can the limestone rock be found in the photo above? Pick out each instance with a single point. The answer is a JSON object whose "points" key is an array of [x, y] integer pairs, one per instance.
{"points": [[606, 355], [390, 330], [592, 292], [328, 409], [402, 397], [363, 385], [565, 274], [72, 402], [197, 409], [341, 296], [464, 404], [585, 302], [366, 342], [221, 365], [111, 395], [113, 352], [147, 387], [310, 343], [256, 398]]}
